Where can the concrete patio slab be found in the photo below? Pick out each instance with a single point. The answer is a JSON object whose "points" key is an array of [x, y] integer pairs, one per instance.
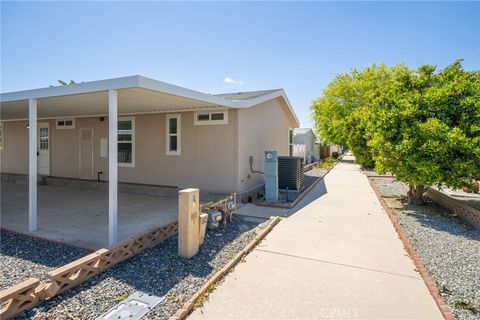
{"points": [[336, 257], [80, 217]]}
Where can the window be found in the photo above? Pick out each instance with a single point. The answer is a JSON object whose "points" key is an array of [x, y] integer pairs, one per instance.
{"points": [[126, 142], [66, 123], [290, 142], [1, 136], [173, 135], [211, 117]]}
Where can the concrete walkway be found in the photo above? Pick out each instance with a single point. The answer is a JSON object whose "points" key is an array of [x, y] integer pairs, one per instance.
{"points": [[337, 257]]}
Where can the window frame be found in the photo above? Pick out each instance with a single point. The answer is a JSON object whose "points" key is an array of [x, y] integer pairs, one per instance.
{"points": [[2, 135], [64, 127], [210, 121], [178, 152], [126, 164], [290, 139]]}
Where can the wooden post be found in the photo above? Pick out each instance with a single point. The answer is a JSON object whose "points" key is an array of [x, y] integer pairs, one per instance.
{"points": [[188, 222]]}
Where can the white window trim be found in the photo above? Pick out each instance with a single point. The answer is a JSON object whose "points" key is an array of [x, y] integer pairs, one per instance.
{"points": [[122, 164], [290, 144], [211, 122], [64, 127], [2, 134], [178, 134]]}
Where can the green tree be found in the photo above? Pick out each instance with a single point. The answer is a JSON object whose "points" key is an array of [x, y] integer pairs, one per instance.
{"points": [[422, 126], [64, 83]]}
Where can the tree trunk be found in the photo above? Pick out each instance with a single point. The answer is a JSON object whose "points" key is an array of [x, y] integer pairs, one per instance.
{"points": [[415, 195]]}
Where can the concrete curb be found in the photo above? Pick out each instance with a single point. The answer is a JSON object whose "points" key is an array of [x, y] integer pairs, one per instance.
{"points": [[185, 310], [29, 236], [429, 282], [300, 197]]}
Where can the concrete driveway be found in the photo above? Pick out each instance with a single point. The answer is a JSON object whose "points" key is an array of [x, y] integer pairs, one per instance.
{"points": [[338, 257]]}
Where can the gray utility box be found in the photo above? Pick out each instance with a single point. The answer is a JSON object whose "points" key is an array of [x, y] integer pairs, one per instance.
{"points": [[271, 176], [290, 173]]}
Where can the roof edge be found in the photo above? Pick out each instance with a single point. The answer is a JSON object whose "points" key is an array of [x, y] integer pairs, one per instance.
{"points": [[280, 93], [138, 81]]}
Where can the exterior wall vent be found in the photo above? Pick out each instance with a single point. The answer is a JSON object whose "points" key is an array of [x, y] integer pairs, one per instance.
{"points": [[290, 173]]}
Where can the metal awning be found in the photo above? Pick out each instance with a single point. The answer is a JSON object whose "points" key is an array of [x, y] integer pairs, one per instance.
{"points": [[79, 101], [136, 95]]}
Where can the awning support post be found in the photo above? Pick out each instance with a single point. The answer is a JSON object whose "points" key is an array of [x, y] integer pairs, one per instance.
{"points": [[112, 167], [32, 165]]}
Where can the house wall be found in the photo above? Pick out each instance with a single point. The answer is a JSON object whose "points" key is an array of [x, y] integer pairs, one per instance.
{"points": [[207, 158], [262, 127], [14, 155]]}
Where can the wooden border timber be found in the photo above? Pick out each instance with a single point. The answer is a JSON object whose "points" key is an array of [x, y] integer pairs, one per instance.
{"points": [[427, 278], [29, 293], [183, 312], [19, 297]]}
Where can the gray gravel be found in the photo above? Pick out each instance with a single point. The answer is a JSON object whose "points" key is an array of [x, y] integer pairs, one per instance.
{"points": [[158, 271], [23, 257], [389, 187], [449, 248], [371, 173]]}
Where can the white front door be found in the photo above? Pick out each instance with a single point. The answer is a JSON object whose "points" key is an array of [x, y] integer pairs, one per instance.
{"points": [[43, 148]]}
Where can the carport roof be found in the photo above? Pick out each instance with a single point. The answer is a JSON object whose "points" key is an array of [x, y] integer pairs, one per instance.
{"points": [[136, 94]]}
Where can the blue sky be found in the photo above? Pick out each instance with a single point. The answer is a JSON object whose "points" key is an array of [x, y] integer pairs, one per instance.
{"points": [[296, 46]]}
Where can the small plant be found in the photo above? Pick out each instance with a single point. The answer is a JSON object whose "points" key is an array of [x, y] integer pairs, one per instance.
{"points": [[123, 297], [467, 306], [210, 287], [327, 164]]}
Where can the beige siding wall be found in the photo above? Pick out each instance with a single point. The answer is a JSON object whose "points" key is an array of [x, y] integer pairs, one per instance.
{"points": [[207, 158], [260, 128], [14, 156]]}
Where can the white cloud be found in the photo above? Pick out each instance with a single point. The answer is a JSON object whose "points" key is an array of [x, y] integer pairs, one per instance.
{"points": [[232, 81]]}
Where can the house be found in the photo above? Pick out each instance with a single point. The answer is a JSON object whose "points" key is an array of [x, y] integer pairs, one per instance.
{"points": [[304, 144], [142, 131]]}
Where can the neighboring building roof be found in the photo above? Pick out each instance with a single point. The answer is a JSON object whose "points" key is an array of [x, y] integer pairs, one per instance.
{"points": [[245, 95], [303, 131], [231, 100]]}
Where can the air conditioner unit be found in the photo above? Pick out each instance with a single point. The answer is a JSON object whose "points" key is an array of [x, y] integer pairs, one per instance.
{"points": [[290, 173]]}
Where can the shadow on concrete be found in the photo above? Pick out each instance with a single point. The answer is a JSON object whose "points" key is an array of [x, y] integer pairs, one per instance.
{"points": [[317, 192], [80, 216]]}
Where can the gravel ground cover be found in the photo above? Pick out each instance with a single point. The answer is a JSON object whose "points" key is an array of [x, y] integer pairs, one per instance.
{"points": [[23, 257], [449, 248], [158, 271], [371, 173]]}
